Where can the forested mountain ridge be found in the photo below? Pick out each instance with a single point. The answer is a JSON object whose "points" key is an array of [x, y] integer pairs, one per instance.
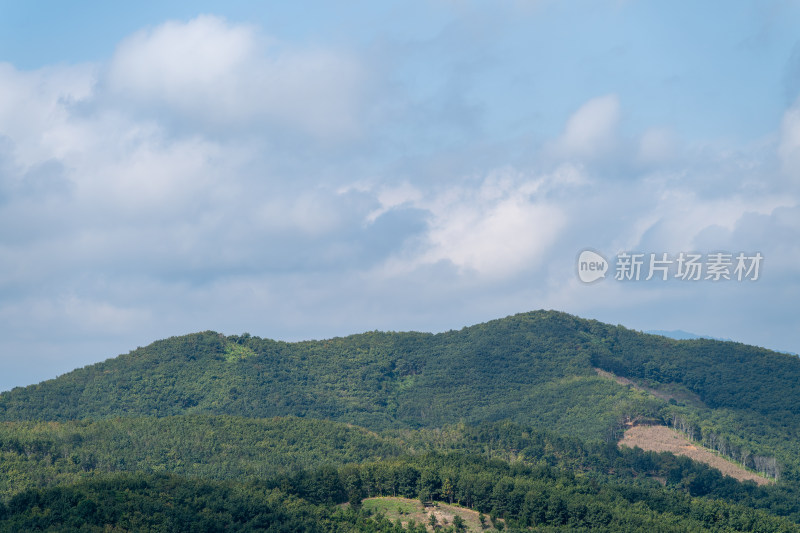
{"points": [[282, 432], [502, 369], [532, 368]]}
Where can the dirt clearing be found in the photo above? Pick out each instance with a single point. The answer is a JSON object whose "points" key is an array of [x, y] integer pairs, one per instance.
{"points": [[664, 439], [405, 510]]}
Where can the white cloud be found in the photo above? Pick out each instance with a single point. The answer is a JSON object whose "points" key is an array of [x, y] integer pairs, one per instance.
{"points": [[210, 71], [395, 196], [495, 229], [590, 131], [36, 108], [495, 238], [182, 62], [676, 218]]}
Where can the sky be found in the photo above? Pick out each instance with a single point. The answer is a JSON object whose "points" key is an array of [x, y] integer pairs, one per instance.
{"points": [[303, 170]]}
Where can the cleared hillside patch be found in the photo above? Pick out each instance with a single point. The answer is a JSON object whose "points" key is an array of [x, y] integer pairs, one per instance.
{"points": [[664, 439], [664, 391], [406, 510]]}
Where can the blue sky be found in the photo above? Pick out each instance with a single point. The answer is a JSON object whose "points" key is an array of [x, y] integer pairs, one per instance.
{"points": [[309, 169]]}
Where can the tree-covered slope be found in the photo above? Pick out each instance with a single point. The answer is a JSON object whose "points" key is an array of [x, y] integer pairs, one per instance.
{"points": [[722, 374], [742, 401], [212, 447], [201, 408], [39, 454], [161, 503], [532, 368], [524, 497]]}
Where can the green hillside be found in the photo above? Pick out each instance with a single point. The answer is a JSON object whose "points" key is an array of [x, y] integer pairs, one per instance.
{"points": [[523, 499], [530, 367], [212, 447], [512, 406], [191, 471]]}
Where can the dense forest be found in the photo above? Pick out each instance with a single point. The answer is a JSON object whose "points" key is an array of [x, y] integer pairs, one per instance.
{"points": [[307, 501], [509, 418], [522, 368]]}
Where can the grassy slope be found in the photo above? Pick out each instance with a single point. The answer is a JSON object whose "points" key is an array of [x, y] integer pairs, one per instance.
{"points": [[406, 510]]}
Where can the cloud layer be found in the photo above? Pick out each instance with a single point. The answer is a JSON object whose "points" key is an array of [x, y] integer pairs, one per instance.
{"points": [[209, 175]]}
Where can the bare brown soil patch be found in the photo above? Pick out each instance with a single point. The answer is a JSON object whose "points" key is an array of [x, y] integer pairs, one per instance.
{"points": [[664, 439]]}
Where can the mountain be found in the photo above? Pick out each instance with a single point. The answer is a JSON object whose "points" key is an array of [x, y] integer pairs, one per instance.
{"points": [[532, 367], [319, 420], [680, 335], [537, 368], [529, 367]]}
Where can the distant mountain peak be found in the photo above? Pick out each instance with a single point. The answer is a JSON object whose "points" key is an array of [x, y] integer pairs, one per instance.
{"points": [[681, 335]]}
